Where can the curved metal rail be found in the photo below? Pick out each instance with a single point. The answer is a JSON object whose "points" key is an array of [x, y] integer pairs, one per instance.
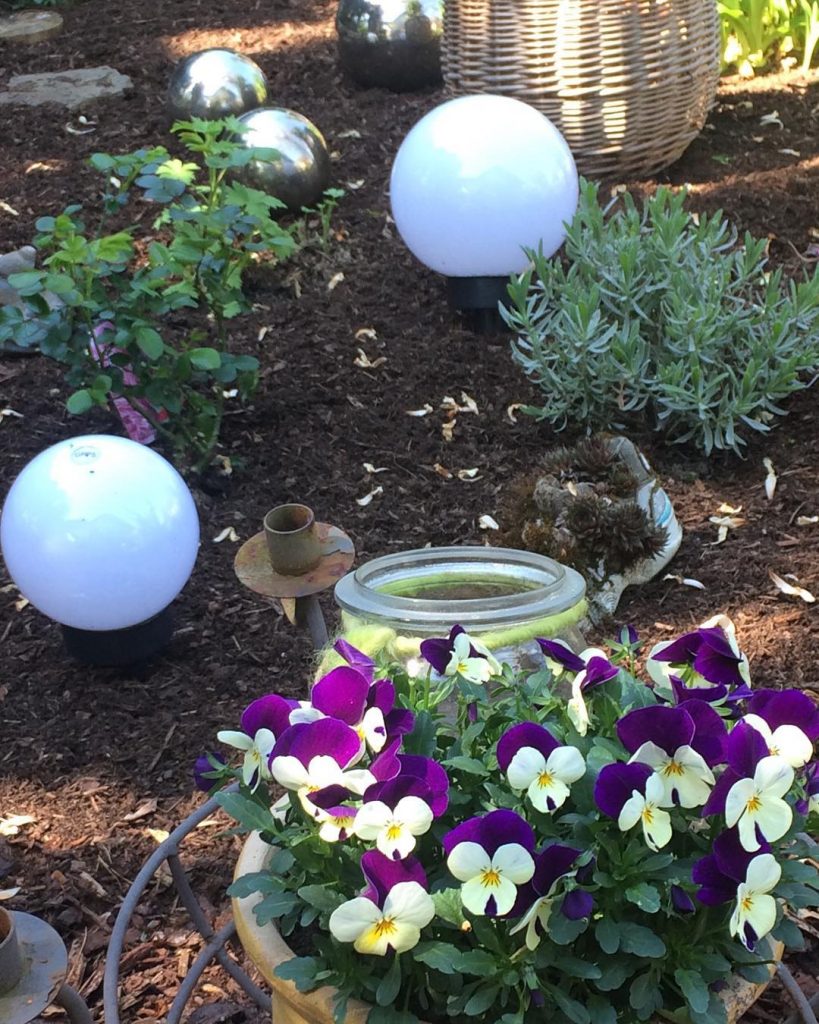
{"points": [[215, 941]]}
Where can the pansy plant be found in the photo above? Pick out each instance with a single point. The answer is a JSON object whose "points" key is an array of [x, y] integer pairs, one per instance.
{"points": [[472, 841]]}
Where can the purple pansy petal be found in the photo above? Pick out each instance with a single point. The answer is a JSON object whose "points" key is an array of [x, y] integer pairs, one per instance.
{"points": [[438, 650], [680, 651], [557, 651], [381, 695], [714, 887], [431, 773], [386, 765], [683, 694], [668, 727], [681, 901], [786, 707], [326, 737], [598, 670], [716, 660], [329, 796], [341, 694], [550, 864], [616, 783], [585, 874], [396, 789], [709, 731], [399, 722], [577, 904], [493, 830], [732, 858], [383, 874], [269, 712], [202, 765], [715, 804], [360, 661], [526, 734], [628, 635], [744, 749]]}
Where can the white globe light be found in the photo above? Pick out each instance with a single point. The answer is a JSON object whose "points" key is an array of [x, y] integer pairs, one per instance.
{"points": [[477, 179], [99, 532]]}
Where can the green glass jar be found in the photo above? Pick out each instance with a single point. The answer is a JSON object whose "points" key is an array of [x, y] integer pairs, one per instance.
{"points": [[503, 596]]}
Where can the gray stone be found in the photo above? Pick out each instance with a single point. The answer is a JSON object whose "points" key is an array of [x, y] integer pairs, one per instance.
{"points": [[70, 89], [30, 26]]}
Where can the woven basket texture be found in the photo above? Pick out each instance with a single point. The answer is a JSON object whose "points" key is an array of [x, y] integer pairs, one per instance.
{"points": [[628, 82]]}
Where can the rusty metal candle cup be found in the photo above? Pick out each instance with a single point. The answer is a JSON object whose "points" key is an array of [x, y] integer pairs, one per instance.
{"points": [[11, 957], [292, 539]]}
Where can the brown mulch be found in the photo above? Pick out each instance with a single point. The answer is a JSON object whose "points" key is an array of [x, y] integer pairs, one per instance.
{"points": [[101, 758]]}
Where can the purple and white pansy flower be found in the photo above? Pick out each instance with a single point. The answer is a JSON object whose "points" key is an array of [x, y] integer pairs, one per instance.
{"points": [[788, 721], [491, 855], [534, 761], [460, 654], [591, 668], [536, 899], [661, 737], [632, 793], [706, 658], [394, 825], [261, 722], [392, 911]]}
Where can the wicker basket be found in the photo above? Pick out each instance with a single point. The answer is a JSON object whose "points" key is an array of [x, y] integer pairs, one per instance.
{"points": [[628, 82]]}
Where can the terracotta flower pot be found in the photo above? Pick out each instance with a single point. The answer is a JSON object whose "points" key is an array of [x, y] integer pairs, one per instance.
{"points": [[267, 949]]}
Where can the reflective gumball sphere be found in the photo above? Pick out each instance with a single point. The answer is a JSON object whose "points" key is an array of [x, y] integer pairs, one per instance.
{"points": [[215, 83], [299, 172], [395, 44]]}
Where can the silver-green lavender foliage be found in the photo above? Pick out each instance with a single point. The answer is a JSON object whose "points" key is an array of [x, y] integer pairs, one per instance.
{"points": [[658, 314]]}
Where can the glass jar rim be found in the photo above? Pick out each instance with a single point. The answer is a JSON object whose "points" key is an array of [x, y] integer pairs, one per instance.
{"points": [[546, 588]]}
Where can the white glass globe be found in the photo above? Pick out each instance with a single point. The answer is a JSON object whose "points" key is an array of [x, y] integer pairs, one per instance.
{"points": [[477, 179], [99, 532]]}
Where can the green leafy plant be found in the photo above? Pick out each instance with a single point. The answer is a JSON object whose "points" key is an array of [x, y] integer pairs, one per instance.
{"points": [[658, 315], [754, 32], [128, 288], [466, 843]]}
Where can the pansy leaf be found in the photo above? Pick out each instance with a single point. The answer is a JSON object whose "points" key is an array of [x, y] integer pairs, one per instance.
{"points": [[789, 933], [448, 906], [615, 972], [256, 881], [643, 995], [301, 970], [600, 1010], [564, 931], [693, 988], [645, 896], [607, 934], [470, 765], [575, 1011], [715, 1013], [320, 897], [477, 961], [390, 985], [577, 968], [252, 817], [440, 956], [389, 1015], [480, 1001], [642, 941], [422, 739], [273, 906]]}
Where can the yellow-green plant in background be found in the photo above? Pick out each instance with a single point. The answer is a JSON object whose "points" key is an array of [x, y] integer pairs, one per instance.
{"points": [[755, 33]]}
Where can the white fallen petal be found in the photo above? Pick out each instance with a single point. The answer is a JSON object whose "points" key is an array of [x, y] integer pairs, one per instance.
{"points": [[685, 581], [770, 479], [363, 360], [442, 471], [354, 186], [363, 502], [425, 411], [806, 520], [488, 523], [468, 404], [370, 468], [7, 894], [468, 474], [335, 281], [366, 334], [448, 429], [227, 534], [729, 510], [511, 411], [772, 118], [792, 591], [349, 133], [11, 824]]}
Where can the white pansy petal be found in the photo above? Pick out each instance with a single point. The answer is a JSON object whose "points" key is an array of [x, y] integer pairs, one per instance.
{"points": [[476, 670], [514, 862], [593, 652], [746, 828], [525, 766], [693, 760], [415, 813], [475, 895], [792, 744], [691, 790], [467, 860], [505, 896], [403, 936], [763, 873], [567, 764], [373, 729], [289, 772], [659, 670], [631, 811], [305, 713], [737, 800], [774, 776], [657, 830], [239, 740], [325, 771], [349, 920], [652, 755], [760, 725], [654, 789], [578, 712], [264, 741], [774, 818], [761, 915], [358, 781], [373, 940], [372, 819], [395, 842], [410, 903], [547, 796]]}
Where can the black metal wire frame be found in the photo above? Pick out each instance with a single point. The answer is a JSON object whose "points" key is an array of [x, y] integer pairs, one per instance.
{"points": [[215, 941]]}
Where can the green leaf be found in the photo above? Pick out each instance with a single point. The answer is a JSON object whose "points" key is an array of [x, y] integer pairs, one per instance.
{"points": [[478, 961], [643, 991], [389, 1015], [390, 984], [600, 1010], [645, 896], [301, 970], [150, 342], [642, 941], [440, 956], [205, 358], [716, 1012], [79, 402], [449, 906], [693, 988], [321, 897], [273, 906], [577, 968], [790, 933], [253, 882], [607, 934], [481, 1000], [422, 739], [574, 1010], [564, 931], [466, 764], [27, 281], [251, 816]]}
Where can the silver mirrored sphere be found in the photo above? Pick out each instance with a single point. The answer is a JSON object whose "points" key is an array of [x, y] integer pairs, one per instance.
{"points": [[215, 83], [299, 172], [395, 44]]}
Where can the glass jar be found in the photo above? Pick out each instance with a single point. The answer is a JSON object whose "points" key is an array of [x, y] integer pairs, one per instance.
{"points": [[503, 596]]}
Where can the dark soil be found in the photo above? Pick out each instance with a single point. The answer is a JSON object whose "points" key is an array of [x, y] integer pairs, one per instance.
{"points": [[100, 758]]}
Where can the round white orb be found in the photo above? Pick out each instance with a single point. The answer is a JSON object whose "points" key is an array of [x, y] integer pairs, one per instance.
{"points": [[99, 532], [476, 180]]}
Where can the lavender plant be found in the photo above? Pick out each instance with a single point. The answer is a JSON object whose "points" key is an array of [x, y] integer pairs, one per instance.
{"points": [[658, 315], [603, 852]]}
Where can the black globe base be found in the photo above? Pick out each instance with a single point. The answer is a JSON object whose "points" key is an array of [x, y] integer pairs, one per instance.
{"points": [[477, 299], [120, 646]]}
